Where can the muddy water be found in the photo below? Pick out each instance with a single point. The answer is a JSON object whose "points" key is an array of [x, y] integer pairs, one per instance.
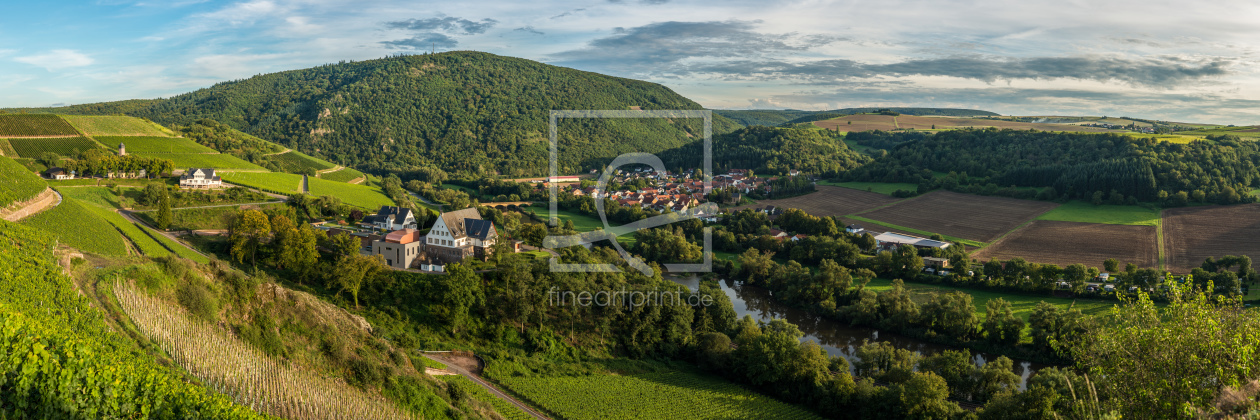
{"points": [[837, 338]]}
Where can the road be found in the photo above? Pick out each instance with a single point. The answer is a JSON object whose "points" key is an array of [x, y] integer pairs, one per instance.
{"points": [[127, 215], [217, 205], [493, 390]]}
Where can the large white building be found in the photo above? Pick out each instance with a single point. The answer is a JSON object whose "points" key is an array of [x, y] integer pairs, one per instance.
{"points": [[392, 218], [200, 178], [890, 240], [457, 235]]}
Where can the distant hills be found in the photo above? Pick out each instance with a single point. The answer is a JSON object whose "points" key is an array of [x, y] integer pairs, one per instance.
{"points": [[460, 111], [774, 117]]}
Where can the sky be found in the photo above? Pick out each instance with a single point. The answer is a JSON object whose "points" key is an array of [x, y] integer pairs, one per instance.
{"points": [[1186, 61]]}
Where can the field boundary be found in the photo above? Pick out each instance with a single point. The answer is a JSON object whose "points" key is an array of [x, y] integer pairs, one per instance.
{"points": [[1159, 237], [1027, 223], [60, 136]]}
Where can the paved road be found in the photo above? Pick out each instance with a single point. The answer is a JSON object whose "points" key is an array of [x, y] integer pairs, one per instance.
{"points": [[490, 388]]}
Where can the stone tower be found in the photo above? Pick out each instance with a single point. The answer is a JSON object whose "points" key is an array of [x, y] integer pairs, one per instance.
{"points": [[122, 149]]}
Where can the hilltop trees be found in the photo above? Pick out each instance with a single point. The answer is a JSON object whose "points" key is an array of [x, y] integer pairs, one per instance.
{"points": [[250, 230]]}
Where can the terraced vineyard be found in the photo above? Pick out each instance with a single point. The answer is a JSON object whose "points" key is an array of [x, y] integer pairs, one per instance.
{"points": [[504, 408], [362, 196], [77, 226], [63, 361], [110, 125], [17, 184], [7, 149], [673, 395], [294, 162], [272, 182], [243, 372], [217, 161], [144, 243], [343, 175], [64, 146], [148, 145], [35, 125]]}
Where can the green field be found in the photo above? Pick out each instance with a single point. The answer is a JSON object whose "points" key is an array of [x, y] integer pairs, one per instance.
{"points": [[1236, 131], [1080, 211], [115, 126], [219, 161], [144, 243], [17, 184], [273, 182], [100, 196], [34, 125], [504, 408], [149, 145], [920, 232], [1256, 192], [64, 146], [1022, 305], [673, 395], [362, 196], [7, 149], [80, 228], [343, 175], [470, 191], [294, 162], [886, 188], [581, 222]]}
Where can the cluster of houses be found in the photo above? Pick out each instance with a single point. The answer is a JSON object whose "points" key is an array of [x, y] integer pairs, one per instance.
{"points": [[455, 236], [674, 192], [191, 178], [1143, 130]]}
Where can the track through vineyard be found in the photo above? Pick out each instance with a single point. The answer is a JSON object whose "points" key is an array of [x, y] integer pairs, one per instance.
{"points": [[244, 373]]}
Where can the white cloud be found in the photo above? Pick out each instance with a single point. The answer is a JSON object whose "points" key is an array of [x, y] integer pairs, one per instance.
{"points": [[231, 66], [57, 59]]}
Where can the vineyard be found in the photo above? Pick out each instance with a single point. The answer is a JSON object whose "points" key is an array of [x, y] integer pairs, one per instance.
{"points": [[199, 218], [242, 372], [35, 125], [63, 361], [294, 162], [343, 175], [144, 243], [64, 146], [353, 194], [148, 145], [216, 161], [113, 126], [80, 228], [7, 149], [272, 182], [17, 184], [649, 396], [504, 408]]}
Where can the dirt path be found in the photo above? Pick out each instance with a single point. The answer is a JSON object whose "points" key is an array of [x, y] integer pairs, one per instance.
{"points": [[127, 215], [286, 150], [333, 169], [455, 366], [45, 200]]}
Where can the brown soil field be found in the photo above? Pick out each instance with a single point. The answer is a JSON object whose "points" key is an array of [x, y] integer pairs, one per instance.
{"points": [[1191, 234], [885, 122], [1066, 243], [1251, 130], [966, 216], [830, 201]]}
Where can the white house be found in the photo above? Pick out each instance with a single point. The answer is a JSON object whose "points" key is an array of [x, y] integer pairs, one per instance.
{"points": [[200, 178], [59, 174], [392, 218], [460, 234]]}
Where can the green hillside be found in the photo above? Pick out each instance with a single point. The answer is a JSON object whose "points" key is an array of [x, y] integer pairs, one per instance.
{"points": [[773, 117], [460, 111], [17, 184]]}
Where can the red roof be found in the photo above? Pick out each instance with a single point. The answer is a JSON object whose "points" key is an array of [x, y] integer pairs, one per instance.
{"points": [[404, 236]]}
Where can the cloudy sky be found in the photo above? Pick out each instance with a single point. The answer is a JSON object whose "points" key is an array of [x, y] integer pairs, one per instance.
{"points": [[1187, 61]]}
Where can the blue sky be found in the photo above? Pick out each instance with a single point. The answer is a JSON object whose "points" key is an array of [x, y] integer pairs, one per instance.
{"points": [[1189, 61]]}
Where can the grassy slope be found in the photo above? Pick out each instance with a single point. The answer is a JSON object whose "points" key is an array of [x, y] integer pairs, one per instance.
{"points": [[342, 175], [80, 228], [150, 144], [219, 161], [363, 196], [269, 181], [1079, 211]]}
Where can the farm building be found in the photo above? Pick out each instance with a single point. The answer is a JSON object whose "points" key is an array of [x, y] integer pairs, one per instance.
{"points": [[58, 174], [937, 263], [854, 229], [890, 241]]}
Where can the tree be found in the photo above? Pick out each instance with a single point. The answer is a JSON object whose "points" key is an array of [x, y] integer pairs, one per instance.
{"points": [[925, 396], [1097, 198], [533, 234], [460, 292], [352, 272], [303, 252], [1076, 275], [49, 159], [1000, 323], [344, 245], [164, 212], [152, 194], [951, 314], [251, 227], [356, 215], [1111, 265], [1165, 361]]}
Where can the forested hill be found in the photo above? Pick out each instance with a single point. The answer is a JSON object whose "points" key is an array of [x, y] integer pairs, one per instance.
{"points": [[772, 151], [773, 117], [1221, 169], [460, 111]]}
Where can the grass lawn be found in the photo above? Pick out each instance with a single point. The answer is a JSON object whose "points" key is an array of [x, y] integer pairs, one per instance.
{"points": [[1080, 211], [470, 191], [362, 196], [1023, 305], [581, 222], [1255, 192], [273, 182], [886, 188], [857, 147]]}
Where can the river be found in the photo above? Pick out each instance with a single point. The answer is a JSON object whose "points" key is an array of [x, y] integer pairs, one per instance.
{"points": [[837, 338]]}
